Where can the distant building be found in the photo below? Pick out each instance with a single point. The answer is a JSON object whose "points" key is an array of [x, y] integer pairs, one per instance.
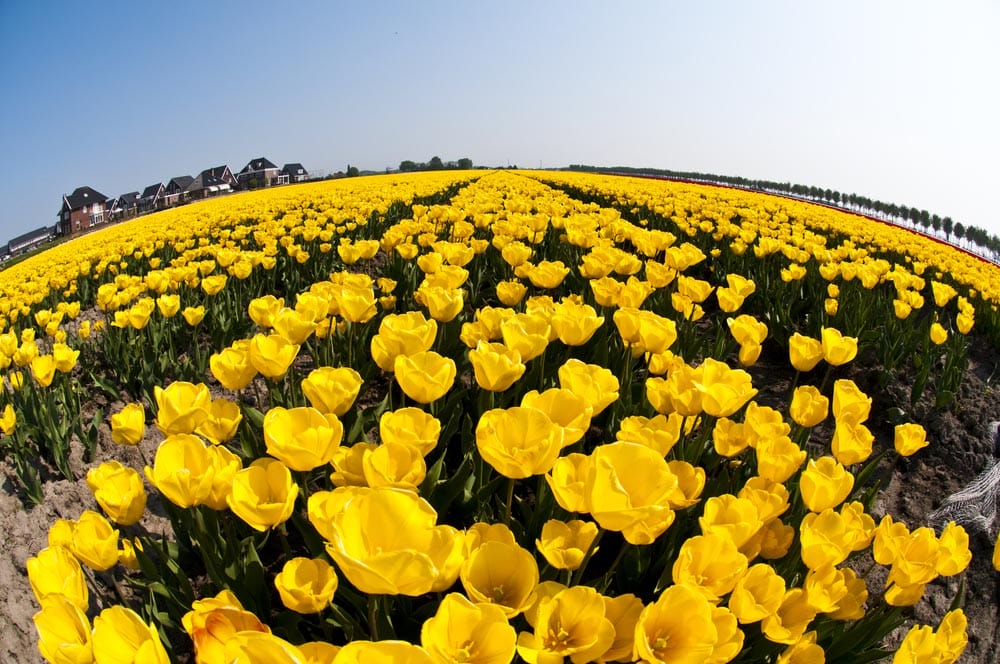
{"points": [[125, 206], [82, 209], [260, 172], [151, 197], [210, 182], [29, 241], [293, 173], [174, 191]]}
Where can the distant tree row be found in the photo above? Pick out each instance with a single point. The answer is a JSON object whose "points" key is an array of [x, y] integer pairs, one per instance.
{"points": [[435, 164], [968, 237]]}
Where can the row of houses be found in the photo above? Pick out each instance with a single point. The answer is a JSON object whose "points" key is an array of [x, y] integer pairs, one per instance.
{"points": [[86, 207]]}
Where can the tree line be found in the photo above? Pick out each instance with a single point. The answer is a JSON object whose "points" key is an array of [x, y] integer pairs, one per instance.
{"points": [[968, 237], [435, 164]]}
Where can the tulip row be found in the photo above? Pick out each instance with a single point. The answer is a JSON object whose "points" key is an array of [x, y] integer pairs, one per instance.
{"points": [[535, 404]]}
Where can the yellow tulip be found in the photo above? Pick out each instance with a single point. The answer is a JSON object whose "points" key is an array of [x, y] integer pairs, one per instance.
{"points": [[401, 334], [850, 404], [332, 390], [263, 494], [213, 621], [182, 470], [95, 542], [852, 443], [303, 438], [271, 355], [232, 367], [710, 564], [825, 586], [264, 309], [193, 315], [567, 411], [943, 293], [723, 390], [412, 558], [838, 349], [564, 544], [809, 407], [43, 369], [790, 621], [595, 384], [213, 284], [64, 357], [8, 420], [825, 539], [318, 652], [393, 464], [306, 585], [951, 636], [938, 334], [63, 632], [169, 305], [55, 571], [575, 323], [547, 274], [443, 304], [769, 497], [293, 326], [222, 423], [119, 491], [825, 484], [425, 376], [660, 433], [120, 636], [528, 334], [571, 624], [568, 481], [511, 292], [732, 518], [804, 352], [953, 552], [348, 464], [677, 627], [500, 574], [778, 458], [182, 407], [496, 366], [410, 426], [383, 652], [757, 594], [518, 442], [628, 489], [128, 426], [461, 630], [851, 605]]}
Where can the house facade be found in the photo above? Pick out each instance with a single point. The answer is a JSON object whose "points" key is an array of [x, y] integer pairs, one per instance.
{"points": [[260, 172], [82, 209], [28, 241], [210, 182], [151, 197], [173, 192], [293, 173]]}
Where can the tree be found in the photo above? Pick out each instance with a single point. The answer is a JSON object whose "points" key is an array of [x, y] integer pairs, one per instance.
{"points": [[948, 225], [435, 163], [465, 163], [406, 166], [352, 171], [959, 231]]}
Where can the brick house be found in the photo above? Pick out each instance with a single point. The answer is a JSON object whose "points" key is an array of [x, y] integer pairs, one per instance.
{"points": [[82, 209], [260, 172]]}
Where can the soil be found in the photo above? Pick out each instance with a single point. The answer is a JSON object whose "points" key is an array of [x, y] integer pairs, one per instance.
{"points": [[960, 449]]}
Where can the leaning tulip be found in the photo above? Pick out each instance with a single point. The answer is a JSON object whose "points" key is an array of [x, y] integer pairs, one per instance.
{"points": [[909, 439], [518, 442], [263, 494], [119, 491], [809, 407], [55, 571], [120, 636], [271, 355], [182, 407], [64, 357], [496, 366], [852, 443], [332, 390], [838, 349], [63, 632], [564, 544], [825, 484], [128, 426], [306, 585], [303, 438], [425, 376], [412, 558], [850, 404], [463, 630], [182, 470]]}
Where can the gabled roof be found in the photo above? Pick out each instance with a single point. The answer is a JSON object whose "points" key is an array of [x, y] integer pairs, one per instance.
{"points": [[131, 198], [259, 164], [31, 236], [152, 190], [217, 171], [83, 196], [182, 181], [293, 169]]}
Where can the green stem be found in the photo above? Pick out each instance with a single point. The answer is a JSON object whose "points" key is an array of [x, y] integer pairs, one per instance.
{"points": [[372, 615], [586, 559], [510, 500]]}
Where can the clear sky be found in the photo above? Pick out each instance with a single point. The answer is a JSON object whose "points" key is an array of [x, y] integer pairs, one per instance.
{"points": [[894, 100]]}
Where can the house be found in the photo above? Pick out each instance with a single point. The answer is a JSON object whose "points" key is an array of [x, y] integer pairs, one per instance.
{"points": [[151, 197], [125, 206], [28, 241], [293, 173], [173, 192], [82, 209], [257, 173], [210, 182]]}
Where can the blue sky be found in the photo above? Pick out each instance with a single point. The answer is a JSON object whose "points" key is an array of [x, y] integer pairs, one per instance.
{"points": [[893, 100]]}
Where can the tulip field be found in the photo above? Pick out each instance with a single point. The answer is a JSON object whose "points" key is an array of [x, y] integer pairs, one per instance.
{"points": [[489, 417]]}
